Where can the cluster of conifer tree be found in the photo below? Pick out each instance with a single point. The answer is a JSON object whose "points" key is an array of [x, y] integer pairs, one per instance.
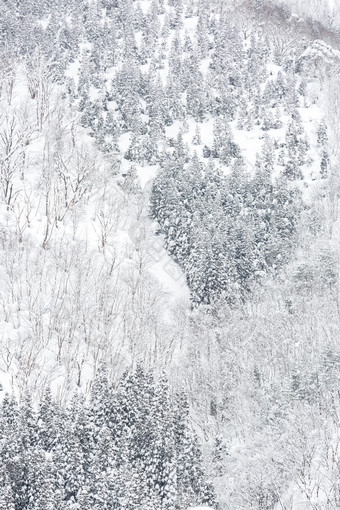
{"points": [[128, 447], [226, 232]]}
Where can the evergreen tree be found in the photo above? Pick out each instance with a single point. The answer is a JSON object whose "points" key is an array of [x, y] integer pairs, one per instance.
{"points": [[99, 403], [296, 150], [267, 154], [47, 421], [6, 493], [322, 136], [197, 136], [325, 164], [41, 482]]}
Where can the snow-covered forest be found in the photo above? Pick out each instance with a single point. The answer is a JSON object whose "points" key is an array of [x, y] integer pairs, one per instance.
{"points": [[169, 254]]}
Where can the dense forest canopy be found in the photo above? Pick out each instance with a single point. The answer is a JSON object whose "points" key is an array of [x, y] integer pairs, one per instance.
{"points": [[129, 447]]}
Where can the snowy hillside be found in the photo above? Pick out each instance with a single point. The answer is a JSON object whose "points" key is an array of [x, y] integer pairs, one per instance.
{"points": [[169, 254]]}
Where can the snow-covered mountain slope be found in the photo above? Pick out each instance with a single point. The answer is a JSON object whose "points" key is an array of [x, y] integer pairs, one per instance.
{"points": [[170, 194]]}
